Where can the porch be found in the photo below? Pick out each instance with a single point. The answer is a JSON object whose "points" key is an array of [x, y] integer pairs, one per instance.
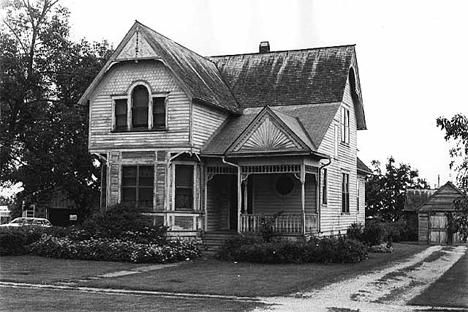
{"points": [[241, 199]]}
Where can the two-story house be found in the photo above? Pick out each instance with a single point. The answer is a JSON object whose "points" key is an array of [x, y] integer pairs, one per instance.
{"points": [[216, 143]]}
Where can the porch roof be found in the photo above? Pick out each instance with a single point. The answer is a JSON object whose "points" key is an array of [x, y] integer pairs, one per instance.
{"points": [[308, 122]]}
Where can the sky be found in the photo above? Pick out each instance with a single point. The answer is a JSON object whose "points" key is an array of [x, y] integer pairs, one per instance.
{"points": [[410, 55]]}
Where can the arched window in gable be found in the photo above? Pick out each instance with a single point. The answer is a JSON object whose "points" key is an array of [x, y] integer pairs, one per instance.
{"points": [[140, 105]]}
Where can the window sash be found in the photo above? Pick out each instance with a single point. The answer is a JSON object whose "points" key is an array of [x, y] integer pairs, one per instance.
{"points": [[325, 187], [344, 125], [138, 185], [120, 114], [159, 112], [184, 187], [345, 193]]}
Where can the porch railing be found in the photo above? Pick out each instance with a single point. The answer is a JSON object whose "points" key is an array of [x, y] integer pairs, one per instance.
{"points": [[285, 224]]}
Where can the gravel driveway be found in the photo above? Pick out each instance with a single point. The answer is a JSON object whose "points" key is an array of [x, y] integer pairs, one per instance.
{"points": [[386, 290]]}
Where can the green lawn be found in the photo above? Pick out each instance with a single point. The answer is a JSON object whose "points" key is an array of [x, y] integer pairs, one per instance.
{"points": [[201, 276], [451, 290]]}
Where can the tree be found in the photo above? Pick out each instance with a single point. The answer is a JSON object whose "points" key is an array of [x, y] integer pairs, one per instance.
{"points": [[456, 129], [385, 192], [43, 74]]}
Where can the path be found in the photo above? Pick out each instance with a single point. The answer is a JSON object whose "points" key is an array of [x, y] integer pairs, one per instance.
{"points": [[386, 290]]}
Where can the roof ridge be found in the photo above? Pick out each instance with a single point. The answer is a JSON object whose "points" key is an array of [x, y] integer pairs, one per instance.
{"points": [[284, 51]]}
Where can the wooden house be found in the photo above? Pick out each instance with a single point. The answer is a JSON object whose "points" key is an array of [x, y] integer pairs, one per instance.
{"points": [[434, 215], [206, 144]]}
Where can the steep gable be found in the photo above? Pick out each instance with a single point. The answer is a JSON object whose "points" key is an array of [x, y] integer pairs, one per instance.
{"points": [[197, 75], [442, 199]]}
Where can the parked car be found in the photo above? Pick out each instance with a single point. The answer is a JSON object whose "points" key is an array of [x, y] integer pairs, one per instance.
{"points": [[27, 221]]}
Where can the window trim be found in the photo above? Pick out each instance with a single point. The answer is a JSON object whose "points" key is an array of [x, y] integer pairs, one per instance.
{"points": [[129, 98], [137, 186], [195, 207], [345, 178], [345, 125]]}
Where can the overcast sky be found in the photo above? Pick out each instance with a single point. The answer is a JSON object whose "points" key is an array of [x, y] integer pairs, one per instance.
{"points": [[411, 55]]}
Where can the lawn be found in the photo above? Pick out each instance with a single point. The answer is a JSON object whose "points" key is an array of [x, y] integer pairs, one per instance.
{"points": [[448, 291], [46, 300], [201, 276], [247, 279]]}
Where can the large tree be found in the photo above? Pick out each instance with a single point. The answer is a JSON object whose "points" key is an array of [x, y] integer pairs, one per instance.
{"points": [[386, 191], [43, 73]]}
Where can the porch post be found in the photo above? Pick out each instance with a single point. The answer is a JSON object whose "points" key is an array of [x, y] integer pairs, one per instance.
{"points": [[303, 199], [239, 198]]}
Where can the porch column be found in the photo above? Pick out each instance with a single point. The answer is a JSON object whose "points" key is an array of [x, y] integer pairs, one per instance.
{"points": [[303, 198], [246, 181], [239, 198]]}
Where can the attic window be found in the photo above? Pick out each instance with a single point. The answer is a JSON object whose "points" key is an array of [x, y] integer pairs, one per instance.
{"points": [[159, 112], [140, 101]]}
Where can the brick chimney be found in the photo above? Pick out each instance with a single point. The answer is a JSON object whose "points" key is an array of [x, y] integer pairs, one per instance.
{"points": [[264, 47]]}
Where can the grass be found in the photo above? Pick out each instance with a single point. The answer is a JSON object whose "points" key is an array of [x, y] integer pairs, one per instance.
{"points": [[43, 300], [201, 276], [448, 291], [246, 279]]}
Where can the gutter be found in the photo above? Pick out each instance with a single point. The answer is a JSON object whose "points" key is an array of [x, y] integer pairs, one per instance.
{"points": [[239, 191], [319, 210]]}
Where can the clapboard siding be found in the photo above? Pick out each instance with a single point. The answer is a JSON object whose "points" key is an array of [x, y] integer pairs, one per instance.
{"points": [[177, 133], [117, 82], [333, 221], [206, 121]]}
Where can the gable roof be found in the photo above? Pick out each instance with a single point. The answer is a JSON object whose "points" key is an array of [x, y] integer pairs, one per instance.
{"points": [[237, 131], [307, 76], [442, 199], [196, 74]]}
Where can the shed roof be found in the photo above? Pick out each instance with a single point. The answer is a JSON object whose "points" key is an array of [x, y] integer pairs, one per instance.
{"points": [[362, 167], [416, 197]]}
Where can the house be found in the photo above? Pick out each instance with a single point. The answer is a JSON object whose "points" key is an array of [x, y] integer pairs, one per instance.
{"points": [[434, 216], [209, 144]]}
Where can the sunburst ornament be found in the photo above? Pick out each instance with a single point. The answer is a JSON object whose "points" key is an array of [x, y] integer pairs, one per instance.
{"points": [[267, 137]]}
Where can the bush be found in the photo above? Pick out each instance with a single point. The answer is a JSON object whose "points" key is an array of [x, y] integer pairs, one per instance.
{"points": [[124, 222], [375, 233], [112, 249], [355, 231], [13, 241], [317, 250]]}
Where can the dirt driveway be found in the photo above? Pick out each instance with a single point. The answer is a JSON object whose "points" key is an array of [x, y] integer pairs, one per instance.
{"points": [[385, 290]]}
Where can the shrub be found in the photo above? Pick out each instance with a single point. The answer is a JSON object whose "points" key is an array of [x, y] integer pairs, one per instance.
{"points": [[13, 241], [112, 249], [122, 221], [267, 226], [355, 231], [231, 245], [317, 250], [374, 233]]}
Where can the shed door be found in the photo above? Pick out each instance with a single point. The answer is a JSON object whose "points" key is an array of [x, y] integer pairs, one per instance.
{"points": [[438, 229]]}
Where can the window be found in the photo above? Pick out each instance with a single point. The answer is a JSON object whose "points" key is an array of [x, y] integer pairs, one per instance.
{"points": [[344, 125], [183, 187], [357, 196], [137, 186], [335, 151], [159, 112], [139, 111], [345, 193], [140, 100], [325, 187], [120, 114]]}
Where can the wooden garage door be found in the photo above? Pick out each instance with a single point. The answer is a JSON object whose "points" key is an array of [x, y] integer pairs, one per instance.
{"points": [[438, 229]]}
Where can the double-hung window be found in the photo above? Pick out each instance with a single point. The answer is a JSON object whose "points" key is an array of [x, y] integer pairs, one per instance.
{"points": [[344, 125], [325, 186], [140, 111], [345, 193], [138, 186], [184, 187]]}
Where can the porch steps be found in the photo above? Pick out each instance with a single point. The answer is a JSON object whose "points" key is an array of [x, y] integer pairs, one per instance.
{"points": [[213, 241]]}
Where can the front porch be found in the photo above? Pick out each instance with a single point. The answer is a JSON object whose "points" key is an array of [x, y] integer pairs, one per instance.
{"points": [[241, 198]]}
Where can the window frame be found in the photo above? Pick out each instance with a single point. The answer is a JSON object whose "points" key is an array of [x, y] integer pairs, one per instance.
{"points": [[345, 193], [137, 185], [324, 186], [345, 125], [176, 187], [130, 109]]}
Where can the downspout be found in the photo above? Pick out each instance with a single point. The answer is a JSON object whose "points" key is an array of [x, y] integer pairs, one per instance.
{"points": [[319, 206], [239, 193]]}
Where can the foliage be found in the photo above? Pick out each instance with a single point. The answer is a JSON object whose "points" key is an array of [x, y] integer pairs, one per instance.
{"points": [[113, 249], [456, 129], [385, 192], [267, 226], [43, 74], [355, 231], [459, 219], [13, 241], [124, 222], [316, 250]]}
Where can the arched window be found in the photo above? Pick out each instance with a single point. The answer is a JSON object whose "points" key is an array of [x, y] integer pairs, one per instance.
{"points": [[140, 103]]}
